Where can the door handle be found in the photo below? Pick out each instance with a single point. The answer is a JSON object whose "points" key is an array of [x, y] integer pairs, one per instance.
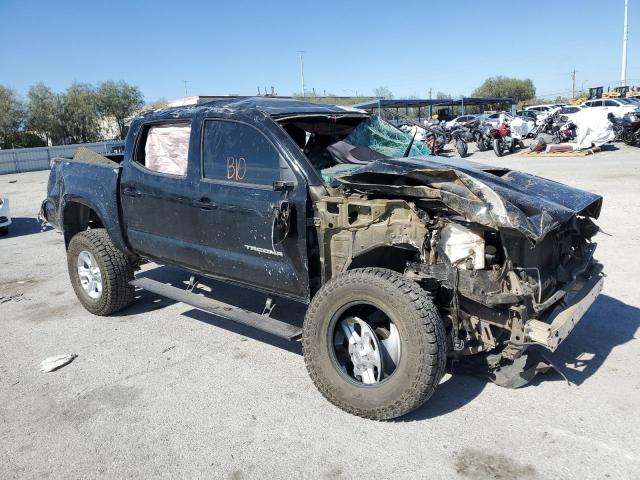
{"points": [[204, 204], [131, 192]]}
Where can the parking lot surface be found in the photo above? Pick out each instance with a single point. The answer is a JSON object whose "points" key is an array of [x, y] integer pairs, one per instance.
{"points": [[163, 390]]}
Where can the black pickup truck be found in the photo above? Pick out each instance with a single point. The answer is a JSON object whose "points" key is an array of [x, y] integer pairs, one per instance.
{"points": [[406, 261]]}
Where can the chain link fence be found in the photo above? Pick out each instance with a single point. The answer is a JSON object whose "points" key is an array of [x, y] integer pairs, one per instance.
{"points": [[20, 160]]}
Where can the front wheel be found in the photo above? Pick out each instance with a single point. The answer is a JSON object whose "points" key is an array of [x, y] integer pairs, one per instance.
{"points": [[99, 272], [497, 147], [4, 231], [461, 147], [374, 343], [480, 143]]}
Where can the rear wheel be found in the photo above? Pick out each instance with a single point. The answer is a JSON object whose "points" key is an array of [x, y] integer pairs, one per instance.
{"points": [[497, 147], [99, 272], [629, 138], [374, 343]]}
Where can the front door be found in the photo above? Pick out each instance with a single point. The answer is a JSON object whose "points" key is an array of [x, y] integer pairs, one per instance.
{"points": [[239, 203]]}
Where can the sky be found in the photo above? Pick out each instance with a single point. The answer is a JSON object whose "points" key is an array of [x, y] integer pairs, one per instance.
{"points": [[232, 47]]}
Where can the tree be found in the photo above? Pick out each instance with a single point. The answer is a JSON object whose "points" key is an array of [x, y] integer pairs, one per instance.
{"points": [[12, 115], [383, 92], [80, 113], [443, 96], [519, 90], [43, 113], [120, 101], [157, 105]]}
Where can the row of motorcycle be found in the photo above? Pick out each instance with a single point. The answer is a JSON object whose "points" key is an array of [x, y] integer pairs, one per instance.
{"points": [[485, 135], [551, 129]]}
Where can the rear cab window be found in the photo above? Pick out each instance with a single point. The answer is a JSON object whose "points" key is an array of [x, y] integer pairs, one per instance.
{"points": [[164, 148]]}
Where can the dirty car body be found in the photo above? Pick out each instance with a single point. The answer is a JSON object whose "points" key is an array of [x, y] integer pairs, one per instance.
{"points": [[284, 197]]}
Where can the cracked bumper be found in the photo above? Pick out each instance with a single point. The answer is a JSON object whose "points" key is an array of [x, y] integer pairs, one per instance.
{"points": [[550, 334]]}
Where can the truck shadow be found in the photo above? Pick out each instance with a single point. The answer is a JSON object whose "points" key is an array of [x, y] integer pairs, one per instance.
{"points": [[21, 226], [608, 324], [285, 310]]}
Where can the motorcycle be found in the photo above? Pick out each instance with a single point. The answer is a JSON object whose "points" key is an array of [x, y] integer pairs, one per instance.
{"points": [[626, 129], [559, 127], [502, 139], [436, 138], [459, 135], [482, 136]]}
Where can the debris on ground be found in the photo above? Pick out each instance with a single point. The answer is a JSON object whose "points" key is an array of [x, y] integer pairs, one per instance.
{"points": [[9, 298], [54, 363]]}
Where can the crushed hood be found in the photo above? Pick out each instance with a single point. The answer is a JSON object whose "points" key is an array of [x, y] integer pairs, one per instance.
{"points": [[498, 198]]}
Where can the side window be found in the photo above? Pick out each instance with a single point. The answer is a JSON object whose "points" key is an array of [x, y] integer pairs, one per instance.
{"points": [[610, 103], [164, 148], [236, 152]]}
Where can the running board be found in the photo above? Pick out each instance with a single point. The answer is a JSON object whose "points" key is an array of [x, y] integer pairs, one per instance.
{"points": [[230, 312]]}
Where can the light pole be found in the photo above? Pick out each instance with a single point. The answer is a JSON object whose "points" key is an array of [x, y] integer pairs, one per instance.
{"points": [[625, 40], [301, 53]]}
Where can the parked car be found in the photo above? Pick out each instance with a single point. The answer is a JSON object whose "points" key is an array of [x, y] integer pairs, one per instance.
{"points": [[618, 106], [405, 261], [567, 112], [529, 114], [542, 108], [461, 120], [493, 119], [5, 216]]}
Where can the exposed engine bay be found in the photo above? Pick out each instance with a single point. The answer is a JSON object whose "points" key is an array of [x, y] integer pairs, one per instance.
{"points": [[506, 256]]}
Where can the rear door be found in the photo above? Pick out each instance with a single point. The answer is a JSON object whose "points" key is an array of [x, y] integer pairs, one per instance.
{"points": [[156, 189], [239, 166]]}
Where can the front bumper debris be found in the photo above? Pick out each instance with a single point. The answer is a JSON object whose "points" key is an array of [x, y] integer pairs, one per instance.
{"points": [[551, 334]]}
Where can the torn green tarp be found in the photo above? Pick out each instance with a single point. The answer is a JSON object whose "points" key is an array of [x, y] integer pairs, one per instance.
{"points": [[384, 138]]}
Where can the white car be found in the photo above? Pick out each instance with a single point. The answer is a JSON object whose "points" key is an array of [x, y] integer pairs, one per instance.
{"points": [[460, 120], [569, 111], [617, 106], [542, 108], [5, 216], [494, 118]]}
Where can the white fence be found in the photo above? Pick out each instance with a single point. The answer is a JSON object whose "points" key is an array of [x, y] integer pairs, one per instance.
{"points": [[20, 160]]}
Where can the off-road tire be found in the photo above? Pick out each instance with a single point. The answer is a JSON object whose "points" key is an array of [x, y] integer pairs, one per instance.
{"points": [[497, 147], [115, 268], [422, 337]]}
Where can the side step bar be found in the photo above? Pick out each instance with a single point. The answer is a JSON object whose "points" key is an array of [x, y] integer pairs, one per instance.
{"points": [[230, 312]]}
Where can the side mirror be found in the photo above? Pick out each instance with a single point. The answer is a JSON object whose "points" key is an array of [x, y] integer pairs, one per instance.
{"points": [[282, 186]]}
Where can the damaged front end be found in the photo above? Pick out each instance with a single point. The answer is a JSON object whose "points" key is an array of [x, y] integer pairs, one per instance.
{"points": [[507, 257]]}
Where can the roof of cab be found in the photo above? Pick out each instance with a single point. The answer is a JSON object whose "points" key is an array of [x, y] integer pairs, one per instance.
{"points": [[274, 107]]}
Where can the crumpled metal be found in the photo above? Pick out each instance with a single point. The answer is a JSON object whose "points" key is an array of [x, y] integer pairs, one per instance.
{"points": [[498, 198]]}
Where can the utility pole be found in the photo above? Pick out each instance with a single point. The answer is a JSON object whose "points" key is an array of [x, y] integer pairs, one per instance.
{"points": [[573, 83], [301, 53], [625, 40], [185, 87]]}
